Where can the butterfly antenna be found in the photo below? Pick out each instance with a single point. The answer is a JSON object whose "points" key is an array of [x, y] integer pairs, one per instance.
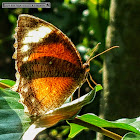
{"points": [[94, 50], [87, 62], [101, 53]]}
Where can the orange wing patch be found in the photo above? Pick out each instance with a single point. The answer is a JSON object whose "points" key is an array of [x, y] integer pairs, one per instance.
{"points": [[51, 92], [56, 50]]}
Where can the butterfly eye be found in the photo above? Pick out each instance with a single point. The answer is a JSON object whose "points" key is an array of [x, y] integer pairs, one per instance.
{"points": [[86, 66]]}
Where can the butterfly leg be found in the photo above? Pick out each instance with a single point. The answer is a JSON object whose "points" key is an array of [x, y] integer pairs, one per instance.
{"points": [[89, 83], [78, 94], [92, 79], [71, 97], [79, 91]]}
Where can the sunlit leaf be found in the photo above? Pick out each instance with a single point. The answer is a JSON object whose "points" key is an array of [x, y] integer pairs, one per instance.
{"points": [[5, 83], [75, 129], [127, 124]]}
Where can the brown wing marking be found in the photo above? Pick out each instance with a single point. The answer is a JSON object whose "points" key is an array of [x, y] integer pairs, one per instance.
{"points": [[41, 94]]}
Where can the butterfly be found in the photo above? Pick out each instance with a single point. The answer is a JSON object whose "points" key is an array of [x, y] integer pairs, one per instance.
{"points": [[49, 67]]}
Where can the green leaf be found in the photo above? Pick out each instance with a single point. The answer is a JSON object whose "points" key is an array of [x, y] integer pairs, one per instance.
{"points": [[6, 83], [98, 88], [127, 124], [67, 110], [131, 136], [13, 121], [75, 129]]}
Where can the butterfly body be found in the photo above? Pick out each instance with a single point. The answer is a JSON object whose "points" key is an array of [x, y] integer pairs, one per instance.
{"points": [[49, 68]]}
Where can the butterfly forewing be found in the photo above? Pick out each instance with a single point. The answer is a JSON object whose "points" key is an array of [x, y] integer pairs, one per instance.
{"points": [[49, 68]]}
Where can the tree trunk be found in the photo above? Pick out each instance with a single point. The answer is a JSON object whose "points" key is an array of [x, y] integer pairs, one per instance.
{"points": [[121, 76]]}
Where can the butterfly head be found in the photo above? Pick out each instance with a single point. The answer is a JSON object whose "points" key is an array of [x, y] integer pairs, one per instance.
{"points": [[86, 67]]}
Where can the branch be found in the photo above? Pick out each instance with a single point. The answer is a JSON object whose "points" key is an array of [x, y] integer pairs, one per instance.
{"points": [[96, 128]]}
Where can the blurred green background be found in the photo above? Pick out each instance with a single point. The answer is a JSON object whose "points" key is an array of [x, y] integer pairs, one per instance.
{"points": [[84, 22]]}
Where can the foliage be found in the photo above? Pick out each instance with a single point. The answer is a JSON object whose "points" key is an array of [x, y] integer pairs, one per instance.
{"points": [[83, 21], [14, 122], [12, 113], [127, 124], [131, 136]]}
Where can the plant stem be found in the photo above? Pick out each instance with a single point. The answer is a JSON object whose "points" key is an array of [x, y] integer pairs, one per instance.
{"points": [[96, 128], [2, 85]]}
